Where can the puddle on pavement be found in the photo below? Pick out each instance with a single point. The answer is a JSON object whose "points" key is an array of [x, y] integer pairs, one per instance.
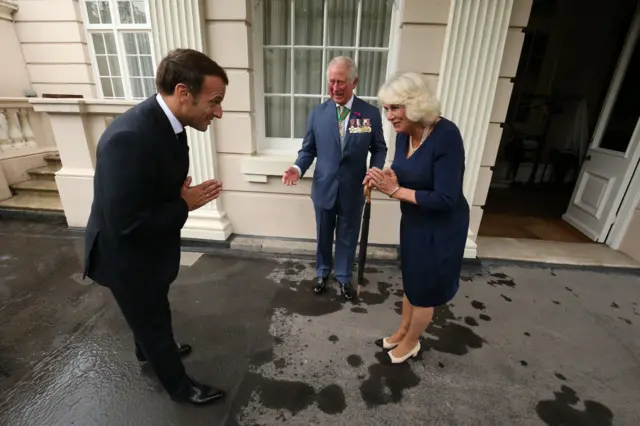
{"points": [[382, 377], [451, 337], [562, 410]]}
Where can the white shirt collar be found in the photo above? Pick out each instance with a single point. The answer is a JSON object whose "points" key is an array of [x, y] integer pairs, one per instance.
{"points": [[349, 103], [175, 124]]}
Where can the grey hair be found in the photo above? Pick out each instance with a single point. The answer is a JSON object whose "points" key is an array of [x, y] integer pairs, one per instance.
{"points": [[411, 90], [349, 62]]}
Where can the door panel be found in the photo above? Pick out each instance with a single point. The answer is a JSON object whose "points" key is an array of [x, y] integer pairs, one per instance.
{"points": [[615, 147]]}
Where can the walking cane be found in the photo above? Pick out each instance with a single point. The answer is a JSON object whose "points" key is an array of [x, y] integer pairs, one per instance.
{"points": [[364, 236]]}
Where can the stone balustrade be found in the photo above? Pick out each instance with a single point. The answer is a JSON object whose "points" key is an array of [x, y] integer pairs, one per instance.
{"points": [[16, 129], [77, 125]]}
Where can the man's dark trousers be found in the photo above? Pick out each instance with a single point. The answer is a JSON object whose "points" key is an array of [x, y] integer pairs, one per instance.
{"points": [[148, 314]]}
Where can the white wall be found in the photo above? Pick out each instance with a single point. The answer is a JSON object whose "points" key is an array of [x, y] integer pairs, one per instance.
{"points": [[14, 80], [54, 47]]}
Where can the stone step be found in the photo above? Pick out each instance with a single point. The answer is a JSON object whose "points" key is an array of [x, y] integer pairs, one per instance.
{"points": [[53, 160], [301, 248], [32, 203], [47, 172], [36, 187]]}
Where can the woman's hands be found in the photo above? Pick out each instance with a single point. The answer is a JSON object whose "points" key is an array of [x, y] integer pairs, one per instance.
{"points": [[384, 181]]}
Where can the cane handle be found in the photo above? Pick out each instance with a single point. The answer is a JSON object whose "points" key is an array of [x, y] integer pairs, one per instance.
{"points": [[367, 193]]}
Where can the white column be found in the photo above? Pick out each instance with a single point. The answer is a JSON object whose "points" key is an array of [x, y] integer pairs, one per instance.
{"points": [[179, 24], [469, 72]]}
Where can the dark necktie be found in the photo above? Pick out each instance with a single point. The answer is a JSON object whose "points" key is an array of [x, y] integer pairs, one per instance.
{"points": [[183, 150], [182, 137]]}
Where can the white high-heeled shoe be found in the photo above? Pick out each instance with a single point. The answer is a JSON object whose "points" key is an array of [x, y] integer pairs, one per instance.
{"points": [[384, 343], [412, 353]]}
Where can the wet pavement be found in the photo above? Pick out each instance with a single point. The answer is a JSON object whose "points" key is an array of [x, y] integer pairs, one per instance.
{"points": [[517, 346]]}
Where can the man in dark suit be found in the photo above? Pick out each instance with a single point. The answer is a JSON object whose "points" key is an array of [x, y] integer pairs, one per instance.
{"points": [[340, 134], [142, 198]]}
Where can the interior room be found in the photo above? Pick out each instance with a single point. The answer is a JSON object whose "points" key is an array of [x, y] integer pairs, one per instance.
{"points": [[569, 58]]}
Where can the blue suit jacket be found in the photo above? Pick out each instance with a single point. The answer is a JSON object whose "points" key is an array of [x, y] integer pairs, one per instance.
{"points": [[337, 173]]}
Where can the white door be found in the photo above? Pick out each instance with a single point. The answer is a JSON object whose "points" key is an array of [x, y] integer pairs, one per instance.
{"points": [[615, 147]]}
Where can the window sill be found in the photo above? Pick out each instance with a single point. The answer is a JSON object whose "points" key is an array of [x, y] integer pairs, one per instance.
{"points": [[259, 167]]}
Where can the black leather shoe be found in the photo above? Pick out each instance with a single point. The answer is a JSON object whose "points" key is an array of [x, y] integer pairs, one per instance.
{"points": [[321, 285], [183, 350], [199, 394], [346, 291]]}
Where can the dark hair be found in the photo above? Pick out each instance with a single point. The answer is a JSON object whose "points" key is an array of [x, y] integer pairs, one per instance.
{"points": [[189, 67]]}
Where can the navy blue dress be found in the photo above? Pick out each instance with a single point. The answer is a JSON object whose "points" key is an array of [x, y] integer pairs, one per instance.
{"points": [[433, 233]]}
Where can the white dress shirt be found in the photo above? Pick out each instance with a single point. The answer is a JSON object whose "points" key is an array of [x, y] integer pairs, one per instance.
{"points": [[175, 124]]}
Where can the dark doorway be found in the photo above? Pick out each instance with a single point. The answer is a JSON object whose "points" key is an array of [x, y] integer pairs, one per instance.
{"points": [[569, 56]]}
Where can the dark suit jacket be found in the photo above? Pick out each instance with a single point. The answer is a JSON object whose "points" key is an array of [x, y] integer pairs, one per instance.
{"points": [[340, 172], [133, 233]]}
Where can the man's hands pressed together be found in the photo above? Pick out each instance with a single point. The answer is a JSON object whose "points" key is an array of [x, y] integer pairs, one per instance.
{"points": [[199, 195]]}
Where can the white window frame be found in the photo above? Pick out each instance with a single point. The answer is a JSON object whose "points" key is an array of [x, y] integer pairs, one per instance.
{"points": [[117, 29], [287, 146]]}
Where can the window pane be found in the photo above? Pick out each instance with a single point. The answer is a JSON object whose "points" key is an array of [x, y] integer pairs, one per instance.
{"points": [[110, 42], [301, 111], [342, 22], [309, 22], [149, 86], [107, 90], [277, 67], [278, 116], [98, 12], [137, 88], [114, 66], [139, 12], [374, 65], [332, 53], [276, 22], [105, 12], [130, 43], [375, 24], [144, 45], [308, 71], [98, 43], [118, 89], [147, 66], [93, 13], [134, 66], [125, 13], [103, 66]]}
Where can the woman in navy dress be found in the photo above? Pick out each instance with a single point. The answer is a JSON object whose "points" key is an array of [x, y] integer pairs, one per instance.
{"points": [[426, 176]]}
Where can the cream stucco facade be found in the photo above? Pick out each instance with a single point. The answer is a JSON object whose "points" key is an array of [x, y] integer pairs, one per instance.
{"points": [[53, 50]]}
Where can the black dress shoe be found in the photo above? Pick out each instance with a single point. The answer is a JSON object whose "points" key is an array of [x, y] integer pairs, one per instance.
{"points": [[321, 285], [199, 394], [183, 350], [346, 291]]}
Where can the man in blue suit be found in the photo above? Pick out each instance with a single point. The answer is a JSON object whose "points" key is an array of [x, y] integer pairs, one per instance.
{"points": [[340, 134]]}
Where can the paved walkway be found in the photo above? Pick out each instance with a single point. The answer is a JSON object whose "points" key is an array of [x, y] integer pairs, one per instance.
{"points": [[518, 346]]}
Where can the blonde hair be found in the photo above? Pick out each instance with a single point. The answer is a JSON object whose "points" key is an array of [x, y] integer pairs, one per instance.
{"points": [[410, 89]]}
